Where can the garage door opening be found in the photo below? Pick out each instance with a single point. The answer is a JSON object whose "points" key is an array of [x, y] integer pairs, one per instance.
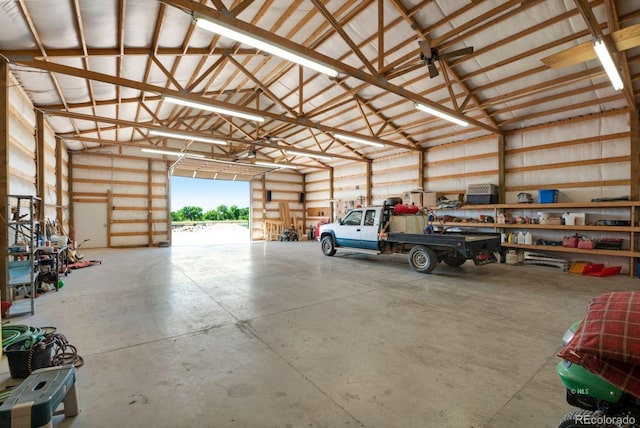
{"points": [[208, 212]]}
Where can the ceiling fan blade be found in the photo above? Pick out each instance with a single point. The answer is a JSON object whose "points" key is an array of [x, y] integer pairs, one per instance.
{"points": [[425, 48], [433, 71], [623, 39], [459, 52]]}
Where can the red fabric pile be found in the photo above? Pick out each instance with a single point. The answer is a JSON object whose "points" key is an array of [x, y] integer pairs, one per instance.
{"points": [[607, 342]]}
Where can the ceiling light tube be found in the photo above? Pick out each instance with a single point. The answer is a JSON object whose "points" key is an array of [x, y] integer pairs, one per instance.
{"points": [[309, 155], [441, 115], [189, 137], [246, 38], [276, 165], [607, 62], [358, 140], [209, 107], [172, 153]]}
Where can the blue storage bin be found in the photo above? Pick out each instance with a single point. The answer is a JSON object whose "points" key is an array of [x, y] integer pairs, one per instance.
{"points": [[548, 196]]}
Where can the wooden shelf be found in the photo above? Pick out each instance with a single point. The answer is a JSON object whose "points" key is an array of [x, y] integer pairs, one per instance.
{"points": [[628, 209], [559, 248]]}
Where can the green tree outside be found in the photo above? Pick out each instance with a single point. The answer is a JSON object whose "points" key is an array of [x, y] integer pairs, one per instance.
{"points": [[191, 213]]}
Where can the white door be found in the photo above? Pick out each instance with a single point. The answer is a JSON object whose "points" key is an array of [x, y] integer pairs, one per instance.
{"points": [[369, 232], [90, 222]]}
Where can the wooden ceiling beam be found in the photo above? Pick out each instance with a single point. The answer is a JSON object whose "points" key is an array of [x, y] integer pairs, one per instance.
{"points": [[339, 66], [237, 10], [145, 87], [29, 54], [166, 72], [584, 8], [447, 71], [263, 87], [619, 57], [544, 86], [338, 29]]}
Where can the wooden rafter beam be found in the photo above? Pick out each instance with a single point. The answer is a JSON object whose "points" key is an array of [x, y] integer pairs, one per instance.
{"points": [[338, 28], [263, 87], [621, 57], [447, 72], [166, 72], [339, 66], [29, 54], [584, 8]]}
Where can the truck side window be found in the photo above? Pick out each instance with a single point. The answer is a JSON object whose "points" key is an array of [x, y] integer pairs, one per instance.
{"points": [[353, 218], [369, 217]]}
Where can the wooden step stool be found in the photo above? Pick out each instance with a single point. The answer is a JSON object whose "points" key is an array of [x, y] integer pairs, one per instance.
{"points": [[34, 402]]}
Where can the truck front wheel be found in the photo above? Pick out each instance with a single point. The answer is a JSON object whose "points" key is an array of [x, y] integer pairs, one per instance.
{"points": [[422, 259], [328, 246]]}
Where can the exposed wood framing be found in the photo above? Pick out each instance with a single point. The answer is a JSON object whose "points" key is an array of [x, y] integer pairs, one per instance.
{"points": [[40, 164], [4, 168]]}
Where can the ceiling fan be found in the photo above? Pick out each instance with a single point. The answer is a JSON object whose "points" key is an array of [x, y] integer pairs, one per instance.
{"points": [[623, 39], [430, 54], [251, 151]]}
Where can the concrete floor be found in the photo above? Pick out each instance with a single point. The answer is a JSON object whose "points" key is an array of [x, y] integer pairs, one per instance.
{"points": [[278, 335]]}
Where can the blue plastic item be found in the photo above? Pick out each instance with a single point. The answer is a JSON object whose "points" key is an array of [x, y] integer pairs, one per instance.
{"points": [[548, 196]]}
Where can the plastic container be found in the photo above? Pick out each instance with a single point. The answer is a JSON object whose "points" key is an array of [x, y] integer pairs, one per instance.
{"points": [[18, 360], [548, 196]]}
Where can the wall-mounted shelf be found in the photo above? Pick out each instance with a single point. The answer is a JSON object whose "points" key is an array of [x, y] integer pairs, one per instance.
{"points": [[624, 209], [22, 235]]}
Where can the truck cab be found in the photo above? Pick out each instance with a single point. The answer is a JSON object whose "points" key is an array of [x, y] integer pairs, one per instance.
{"points": [[358, 229]]}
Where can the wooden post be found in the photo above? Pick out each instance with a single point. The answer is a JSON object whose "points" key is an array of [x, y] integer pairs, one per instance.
{"points": [[59, 195], [169, 221], [331, 194], [72, 232], [150, 203], [634, 181], [263, 182], [40, 171], [421, 156], [4, 172], [634, 151], [368, 183], [501, 197], [109, 208]]}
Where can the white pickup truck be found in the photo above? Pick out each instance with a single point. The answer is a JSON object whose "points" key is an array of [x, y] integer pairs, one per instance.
{"points": [[368, 229]]}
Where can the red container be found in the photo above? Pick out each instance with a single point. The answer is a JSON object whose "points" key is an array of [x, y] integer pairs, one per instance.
{"points": [[406, 209]]}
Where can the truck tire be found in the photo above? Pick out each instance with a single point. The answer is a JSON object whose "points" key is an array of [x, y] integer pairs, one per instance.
{"points": [[328, 246], [454, 258], [422, 259]]}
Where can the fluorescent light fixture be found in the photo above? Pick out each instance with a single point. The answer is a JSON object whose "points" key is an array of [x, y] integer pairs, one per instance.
{"points": [[441, 115], [246, 38], [275, 165], [172, 153], [182, 136], [208, 107], [607, 62], [357, 140], [309, 155]]}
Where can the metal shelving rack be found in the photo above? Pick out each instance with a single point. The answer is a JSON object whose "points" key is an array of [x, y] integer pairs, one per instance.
{"points": [[23, 230]]}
